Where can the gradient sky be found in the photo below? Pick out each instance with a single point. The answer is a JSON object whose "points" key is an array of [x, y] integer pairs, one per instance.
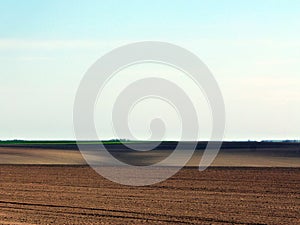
{"points": [[251, 47]]}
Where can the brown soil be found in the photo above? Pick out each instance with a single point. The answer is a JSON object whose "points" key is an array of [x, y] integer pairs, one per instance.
{"points": [[39, 194]]}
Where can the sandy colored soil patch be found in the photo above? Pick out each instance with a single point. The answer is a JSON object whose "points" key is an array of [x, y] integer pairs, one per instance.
{"points": [[10, 155], [237, 157]]}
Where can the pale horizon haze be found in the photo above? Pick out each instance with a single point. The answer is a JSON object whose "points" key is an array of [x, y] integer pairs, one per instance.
{"points": [[252, 48]]}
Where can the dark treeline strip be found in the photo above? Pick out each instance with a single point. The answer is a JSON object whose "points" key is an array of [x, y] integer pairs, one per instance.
{"points": [[165, 145]]}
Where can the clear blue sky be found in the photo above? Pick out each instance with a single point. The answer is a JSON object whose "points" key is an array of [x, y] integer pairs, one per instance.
{"points": [[252, 48]]}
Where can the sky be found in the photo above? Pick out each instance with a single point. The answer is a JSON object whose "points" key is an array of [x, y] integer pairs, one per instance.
{"points": [[251, 47]]}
